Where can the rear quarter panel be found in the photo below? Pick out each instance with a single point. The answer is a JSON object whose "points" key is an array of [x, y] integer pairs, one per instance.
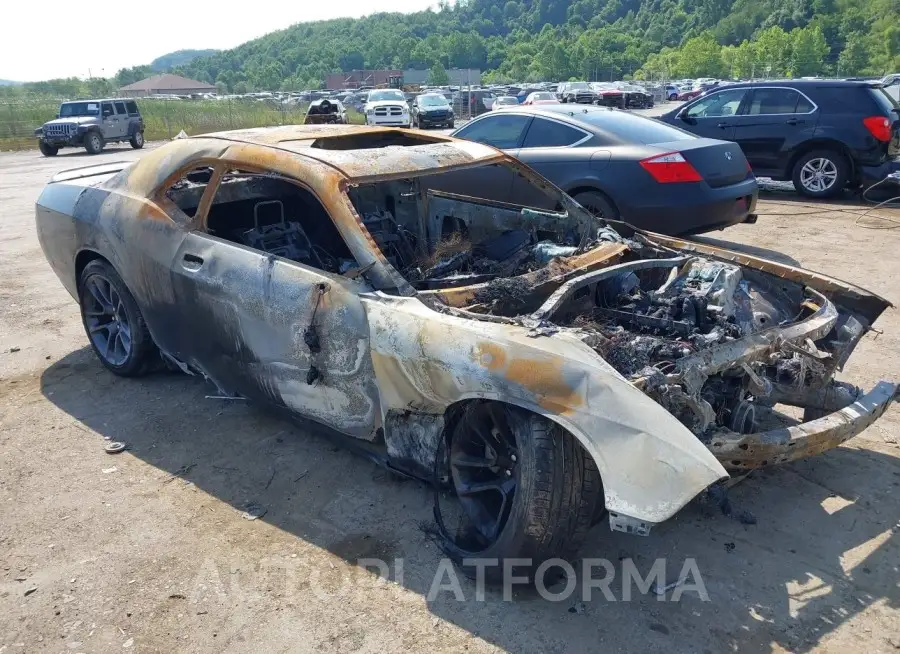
{"points": [[57, 232]]}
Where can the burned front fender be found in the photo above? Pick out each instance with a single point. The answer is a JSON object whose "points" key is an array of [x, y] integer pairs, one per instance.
{"points": [[651, 465]]}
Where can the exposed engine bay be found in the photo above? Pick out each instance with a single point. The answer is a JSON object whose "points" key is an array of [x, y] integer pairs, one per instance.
{"points": [[715, 343]]}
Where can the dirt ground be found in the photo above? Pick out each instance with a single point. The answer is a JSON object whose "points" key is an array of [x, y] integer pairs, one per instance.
{"points": [[148, 550]]}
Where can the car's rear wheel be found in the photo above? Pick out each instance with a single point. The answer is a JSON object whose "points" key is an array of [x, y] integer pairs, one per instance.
{"points": [[526, 486], [598, 204], [47, 150], [113, 321], [93, 142], [137, 140], [821, 174]]}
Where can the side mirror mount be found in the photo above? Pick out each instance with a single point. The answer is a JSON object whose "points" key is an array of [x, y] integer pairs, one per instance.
{"points": [[683, 116]]}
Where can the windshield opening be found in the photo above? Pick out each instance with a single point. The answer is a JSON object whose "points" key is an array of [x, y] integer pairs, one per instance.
{"points": [[69, 109], [386, 94], [478, 224], [432, 100]]}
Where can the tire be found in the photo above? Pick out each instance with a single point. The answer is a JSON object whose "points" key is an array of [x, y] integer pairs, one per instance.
{"points": [[557, 489], [93, 142], [108, 313], [820, 174], [451, 124], [137, 140], [47, 150], [598, 204], [673, 97]]}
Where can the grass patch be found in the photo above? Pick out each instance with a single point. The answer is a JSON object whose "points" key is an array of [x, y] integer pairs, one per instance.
{"points": [[163, 119]]}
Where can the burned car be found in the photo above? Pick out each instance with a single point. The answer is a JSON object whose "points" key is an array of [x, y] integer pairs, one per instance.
{"points": [[546, 367]]}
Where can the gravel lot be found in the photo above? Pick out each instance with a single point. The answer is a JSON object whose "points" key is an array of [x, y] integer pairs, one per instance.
{"points": [[148, 551]]}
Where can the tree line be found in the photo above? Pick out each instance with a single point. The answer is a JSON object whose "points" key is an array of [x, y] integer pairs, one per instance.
{"points": [[532, 40]]}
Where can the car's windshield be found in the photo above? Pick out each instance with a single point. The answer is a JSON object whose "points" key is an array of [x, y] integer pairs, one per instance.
{"points": [[507, 100], [68, 109], [542, 96], [578, 85], [433, 100], [386, 94]]}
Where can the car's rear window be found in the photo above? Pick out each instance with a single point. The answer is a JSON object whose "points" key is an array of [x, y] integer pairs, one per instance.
{"points": [[633, 128], [885, 102]]}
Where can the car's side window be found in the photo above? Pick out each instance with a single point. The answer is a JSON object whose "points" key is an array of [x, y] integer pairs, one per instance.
{"points": [[274, 215], [723, 103], [120, 109], [187, 191], [501, 131], [767, 102], [545, 133], [804, 104], [107, 110], [131, 105]]}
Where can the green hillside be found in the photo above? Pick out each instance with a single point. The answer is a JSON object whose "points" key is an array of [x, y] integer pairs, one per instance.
{"points": [[559, 39], [169, 61]]}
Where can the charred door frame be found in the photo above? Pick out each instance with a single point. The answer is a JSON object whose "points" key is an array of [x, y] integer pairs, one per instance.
{"points": [[288, 334]]}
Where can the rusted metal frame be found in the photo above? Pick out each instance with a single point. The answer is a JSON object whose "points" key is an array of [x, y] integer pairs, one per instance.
{"points": [[696, 367], [564, 292], [561, 270], [745, 452], [271, 146], [198, 221]]}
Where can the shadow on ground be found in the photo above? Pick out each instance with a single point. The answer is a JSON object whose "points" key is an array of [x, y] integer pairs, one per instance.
{"points": [[780, 581]]}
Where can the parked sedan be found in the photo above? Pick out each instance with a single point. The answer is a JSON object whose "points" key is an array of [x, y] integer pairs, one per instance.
{"points": [[824, 135], [540, 97], [504, 101], [623, 166]]}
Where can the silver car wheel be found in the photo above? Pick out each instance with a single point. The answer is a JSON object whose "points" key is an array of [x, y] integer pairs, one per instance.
{"points": [[818, 175], [107, 320]]}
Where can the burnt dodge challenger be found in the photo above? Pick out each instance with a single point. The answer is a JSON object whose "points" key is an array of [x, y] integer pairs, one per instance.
{"points": [[544, 367]]}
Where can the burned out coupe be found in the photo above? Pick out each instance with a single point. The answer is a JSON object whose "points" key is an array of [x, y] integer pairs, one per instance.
{"points": [[542, 365]]}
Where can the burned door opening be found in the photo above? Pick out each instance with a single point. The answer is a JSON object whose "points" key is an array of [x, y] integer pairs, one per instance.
{"points": [[268, 315]]}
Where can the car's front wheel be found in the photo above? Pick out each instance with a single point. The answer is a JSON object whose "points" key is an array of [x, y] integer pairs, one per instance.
{"points": [[821, 174], [113, 321], [93, 142], [47, 150], [137, 140], [526, 487]]}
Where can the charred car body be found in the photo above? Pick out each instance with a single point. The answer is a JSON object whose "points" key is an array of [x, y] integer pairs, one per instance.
{"points": [[541, 365]]}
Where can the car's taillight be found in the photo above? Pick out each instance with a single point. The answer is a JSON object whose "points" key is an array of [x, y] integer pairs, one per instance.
{"points": [[671, 168], [879, 126]]}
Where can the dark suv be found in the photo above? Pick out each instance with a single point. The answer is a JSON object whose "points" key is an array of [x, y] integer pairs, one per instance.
{"points": [[824, 135]]}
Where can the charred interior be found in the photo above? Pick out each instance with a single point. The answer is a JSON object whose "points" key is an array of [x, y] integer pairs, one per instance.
{"points": [[269, 214], [718, 345]]}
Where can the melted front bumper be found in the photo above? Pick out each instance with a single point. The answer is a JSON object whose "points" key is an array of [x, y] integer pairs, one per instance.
{"points": [[748, 451]]}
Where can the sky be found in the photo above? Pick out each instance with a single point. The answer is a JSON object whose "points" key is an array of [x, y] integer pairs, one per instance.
{"points": [[101, 37]]}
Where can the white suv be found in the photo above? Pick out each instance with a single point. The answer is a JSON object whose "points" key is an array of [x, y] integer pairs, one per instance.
{"points": [[387, 107]]}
